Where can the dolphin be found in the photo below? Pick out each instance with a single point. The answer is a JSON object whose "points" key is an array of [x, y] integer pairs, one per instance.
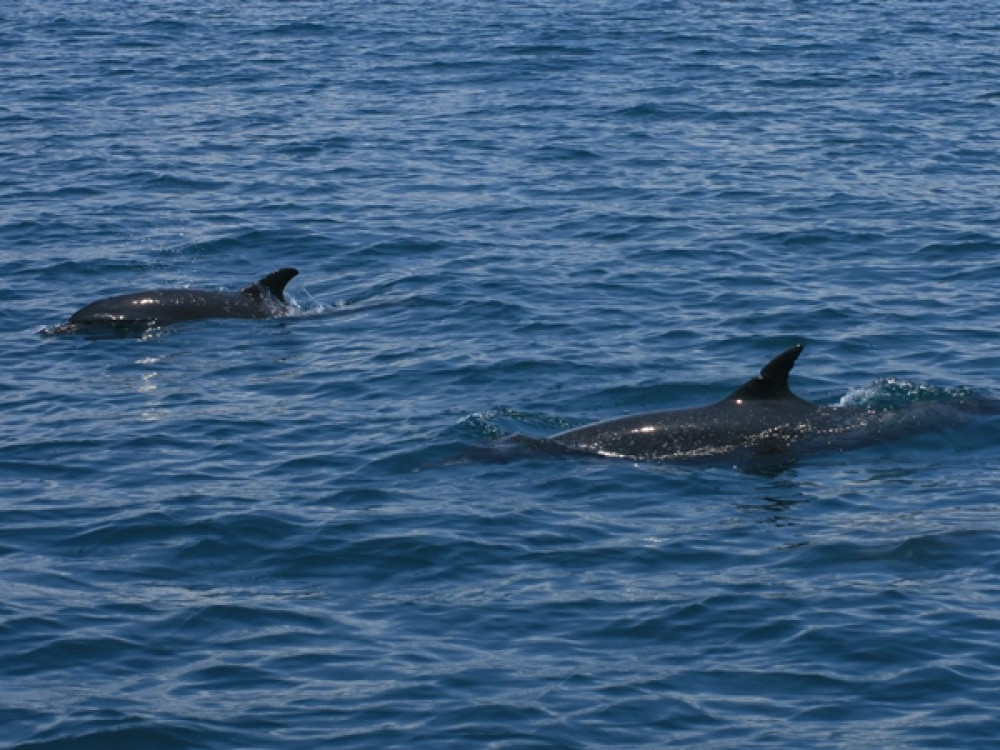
{"points": [[760, 420], [160, 307]]}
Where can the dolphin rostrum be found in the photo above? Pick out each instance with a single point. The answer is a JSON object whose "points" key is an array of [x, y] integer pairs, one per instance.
{"points": [[761, 419], [159, 307]]}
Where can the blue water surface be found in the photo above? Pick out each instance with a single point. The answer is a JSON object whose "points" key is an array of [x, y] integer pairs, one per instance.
{"points": [[509, 218]]}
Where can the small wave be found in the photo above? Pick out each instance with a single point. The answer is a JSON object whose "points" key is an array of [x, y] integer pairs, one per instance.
{"points": [[894, 393], [295, 29], [141, 330], [302, 304], [502, 421]]}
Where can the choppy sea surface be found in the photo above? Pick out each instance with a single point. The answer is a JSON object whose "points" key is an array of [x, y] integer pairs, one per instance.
{"points": [[509, 218]]}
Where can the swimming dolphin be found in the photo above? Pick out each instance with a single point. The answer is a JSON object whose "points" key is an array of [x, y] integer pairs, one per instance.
{"points": [[159, 307], [761, 419]]}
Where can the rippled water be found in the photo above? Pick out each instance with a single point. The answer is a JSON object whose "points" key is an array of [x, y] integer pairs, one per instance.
{"points": [[508, 218]]}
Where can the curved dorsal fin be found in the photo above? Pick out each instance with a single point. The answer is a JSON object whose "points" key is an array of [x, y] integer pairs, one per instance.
{"points": [[274, 284], [772, 383]]}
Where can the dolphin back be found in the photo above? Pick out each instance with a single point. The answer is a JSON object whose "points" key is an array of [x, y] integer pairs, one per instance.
{"points": [[753, 419], [273, 284], [762, 421], [262, 299], [772, 383]]}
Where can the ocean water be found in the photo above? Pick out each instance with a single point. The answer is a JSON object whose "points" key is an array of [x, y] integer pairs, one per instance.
{"points": [[509, 218]]}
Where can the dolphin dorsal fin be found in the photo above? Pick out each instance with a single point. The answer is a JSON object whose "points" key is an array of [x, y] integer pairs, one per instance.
{"points": [[273, 284], [772, 383]]}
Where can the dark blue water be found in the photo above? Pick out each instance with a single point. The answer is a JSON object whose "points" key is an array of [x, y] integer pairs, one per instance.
{"points": [[509, 218]]}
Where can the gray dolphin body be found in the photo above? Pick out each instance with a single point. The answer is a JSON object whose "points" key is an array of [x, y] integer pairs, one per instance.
{"points": [[159, 307], [762, 419]]}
